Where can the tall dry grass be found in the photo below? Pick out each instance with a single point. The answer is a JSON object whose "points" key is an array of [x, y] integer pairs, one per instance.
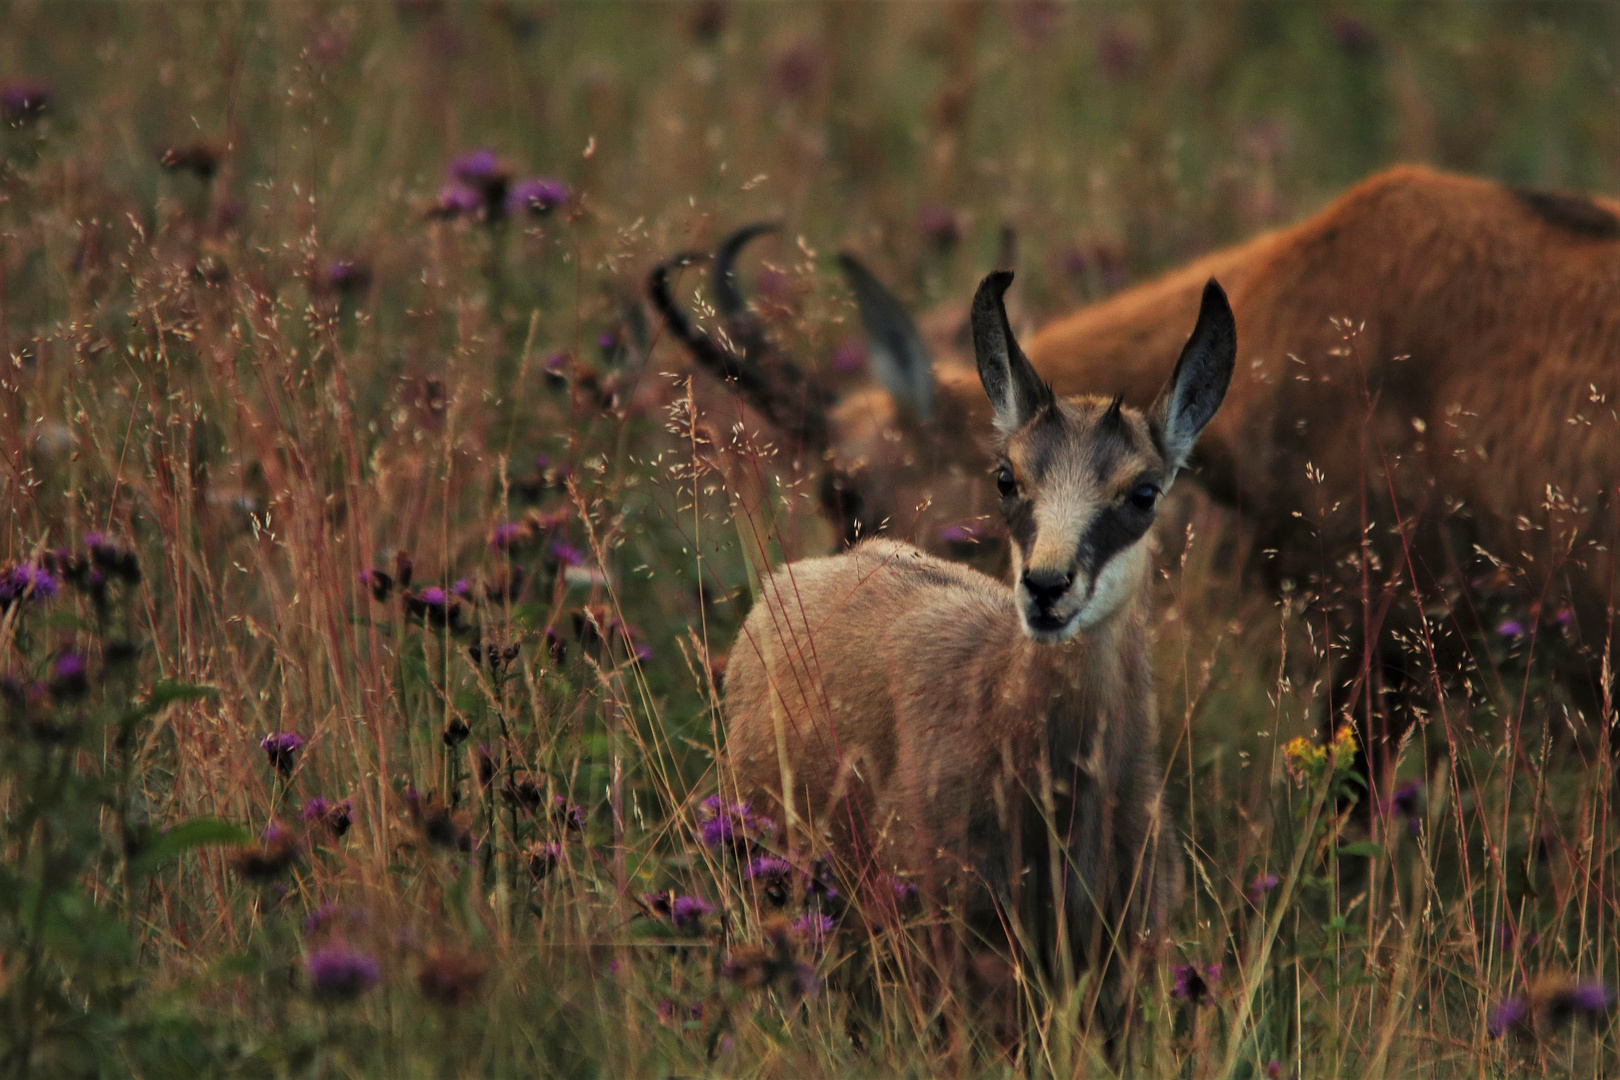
{"points": [[194, 376]]}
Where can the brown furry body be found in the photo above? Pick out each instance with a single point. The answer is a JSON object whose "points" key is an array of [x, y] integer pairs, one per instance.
{"points": [[924, 731], [999, 743]]}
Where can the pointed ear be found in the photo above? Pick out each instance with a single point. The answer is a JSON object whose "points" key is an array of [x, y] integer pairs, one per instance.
{"points": [[900, 360], [1199, 382], [1016, 392]]}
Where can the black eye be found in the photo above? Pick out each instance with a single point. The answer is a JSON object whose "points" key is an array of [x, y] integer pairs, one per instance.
{"points": [[1006, 483], [1143, 496]]}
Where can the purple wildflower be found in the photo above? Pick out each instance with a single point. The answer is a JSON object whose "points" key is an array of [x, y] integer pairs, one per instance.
{"points": [[23, 101], [1261, 885], [1407, 802], [338, 817], [814, 925], [507, 535], [566, 554], [538, 197], [339, 973], [315, 808], [477, 167], [543, 858], [570, 815], [773, 877], [729, 824], [457, 200], [685, 913], [905, 892], [346, 276], [281, 749], [433, 596], [1510, 628], [69, 675], [26, 583], [1590, 1001], [1508, 1014], [1193, 984], [378, 581]]}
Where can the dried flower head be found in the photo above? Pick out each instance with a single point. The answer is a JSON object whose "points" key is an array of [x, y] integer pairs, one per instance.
{"points": [[269, 858], [451, 978], [378, 581], [201, 159], [542, 857]]}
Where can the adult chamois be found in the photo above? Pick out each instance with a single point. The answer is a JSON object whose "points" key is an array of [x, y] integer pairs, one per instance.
{"points": [[1426, 397], [997, 742]]}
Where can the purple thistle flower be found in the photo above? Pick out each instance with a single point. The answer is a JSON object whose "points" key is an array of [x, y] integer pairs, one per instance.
{"points": [[543, 858], [538, 197], [1590, 1000], [685, 913], [905, 892], [566, 554], [814, 925], [475, 168], [339, 973], [1407, 802], [461, 588], [1261, 885], [433, 596], [570, 815], [346, 276], [315, 808], [378, 581], [281, 748], [773, 877], [1194, 985], [727, 824], [26, 583], [1508, 1014], [1510, 628], [507, 535], [457, 200], [69, 675], [23, 101]]}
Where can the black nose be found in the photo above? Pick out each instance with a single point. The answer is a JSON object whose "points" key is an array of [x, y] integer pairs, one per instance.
{"points": [[1046, 586]]}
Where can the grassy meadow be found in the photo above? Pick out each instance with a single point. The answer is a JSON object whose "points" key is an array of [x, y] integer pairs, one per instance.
{"points": [[370, 556]]}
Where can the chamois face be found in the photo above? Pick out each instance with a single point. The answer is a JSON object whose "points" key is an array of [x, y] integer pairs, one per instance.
{"points": [[1080, 478]]}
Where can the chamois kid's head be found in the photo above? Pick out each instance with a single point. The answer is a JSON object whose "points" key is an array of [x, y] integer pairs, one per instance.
{"points": [[1080, 478]]}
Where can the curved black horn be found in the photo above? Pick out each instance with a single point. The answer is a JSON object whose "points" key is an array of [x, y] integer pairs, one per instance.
{"points": [[795, 406], [728, 299]]}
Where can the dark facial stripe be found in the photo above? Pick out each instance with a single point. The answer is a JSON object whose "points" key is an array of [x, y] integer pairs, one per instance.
{"points": [[1020, 517], [1110, 532]]}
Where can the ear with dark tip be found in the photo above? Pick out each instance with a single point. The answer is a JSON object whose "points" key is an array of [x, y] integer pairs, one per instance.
{"points": [[728, 299], [900, 360], [1016, 392], [1196, 387]]}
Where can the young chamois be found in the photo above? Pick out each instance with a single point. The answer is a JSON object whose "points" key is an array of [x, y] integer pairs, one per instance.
{"points": [[997, 742]]}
